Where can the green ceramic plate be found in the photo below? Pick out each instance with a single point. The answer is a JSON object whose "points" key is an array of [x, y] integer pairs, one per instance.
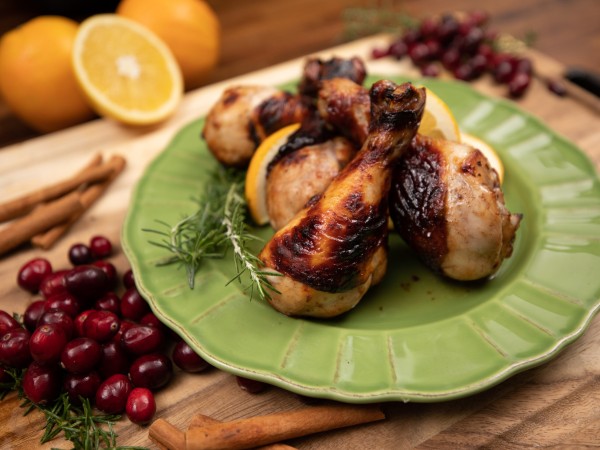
{"points": [[415, 337]]}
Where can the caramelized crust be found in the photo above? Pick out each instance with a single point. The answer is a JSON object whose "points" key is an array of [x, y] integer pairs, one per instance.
{"points": [[333, 250], [417, 201]]}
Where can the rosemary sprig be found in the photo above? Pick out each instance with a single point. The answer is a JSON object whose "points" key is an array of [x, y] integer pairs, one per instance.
{"points": [[217, 225], [236, 230], [78, 424]]}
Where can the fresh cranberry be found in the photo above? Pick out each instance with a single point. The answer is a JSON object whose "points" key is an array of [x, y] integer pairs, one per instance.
{"points": [[7, 322], [557, 87], [128, 279], [464, 72], [114, 360], [519, 84], [187, 359], [451, 58], [32, 314], [251, 386], [101, 325], [80, 320], [101, 247], [430, 70], [112, 394], [81, 386], [58, 317], [80, 254], [411, 36], [53, 283], [109, 269], [428, 27], [419, 52], [125, 325], [447, 28], [140, 406], [503, 71], [151, 371], [32, 273], [81, 355], [42, 382], [151, 320], [142, 339], [63, 301], [87, 283], [378, 53], [46, 343], [109, 302], [14, 348], [133, 305], [398, 49]]}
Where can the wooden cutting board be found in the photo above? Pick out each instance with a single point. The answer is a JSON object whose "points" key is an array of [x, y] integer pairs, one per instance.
{"points": [[552, 405]]}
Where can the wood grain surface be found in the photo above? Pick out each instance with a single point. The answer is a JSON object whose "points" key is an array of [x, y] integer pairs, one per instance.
{"points": [[554, 405]]}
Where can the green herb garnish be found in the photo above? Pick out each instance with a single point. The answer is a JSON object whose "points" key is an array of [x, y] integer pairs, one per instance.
{"points": [[219, 224]]}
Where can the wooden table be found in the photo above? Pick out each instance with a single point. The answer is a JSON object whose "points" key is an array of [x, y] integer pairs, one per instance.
{"points": [[552, 405]]}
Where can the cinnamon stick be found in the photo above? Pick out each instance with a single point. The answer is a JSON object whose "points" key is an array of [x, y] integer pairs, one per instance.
{"points": [[89, 196], [167, 435], [24, 204], [261, 430], [40, 219], [200, 420]]}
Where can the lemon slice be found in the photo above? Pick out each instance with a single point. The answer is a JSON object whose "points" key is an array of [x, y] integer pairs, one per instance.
{"points": [[488, 151], [438, 120], [256, 176], [125, 70]]}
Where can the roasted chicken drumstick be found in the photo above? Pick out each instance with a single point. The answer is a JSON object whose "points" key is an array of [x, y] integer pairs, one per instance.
{"points": [[447, 204], [336, 248], [446, 201]]}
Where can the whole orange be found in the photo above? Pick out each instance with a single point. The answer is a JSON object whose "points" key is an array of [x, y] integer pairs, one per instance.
{"points": [[189, 27], [37, 80]]}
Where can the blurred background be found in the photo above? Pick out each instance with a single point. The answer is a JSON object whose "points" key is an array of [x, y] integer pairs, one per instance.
{"points": [[259, 33]]}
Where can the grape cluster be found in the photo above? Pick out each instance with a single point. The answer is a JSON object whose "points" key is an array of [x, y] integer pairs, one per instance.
{"points": [[463, 46], [82, 338]]}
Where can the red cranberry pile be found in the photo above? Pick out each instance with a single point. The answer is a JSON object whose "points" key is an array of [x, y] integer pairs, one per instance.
{"points": [[82, 338], [463, 46]]}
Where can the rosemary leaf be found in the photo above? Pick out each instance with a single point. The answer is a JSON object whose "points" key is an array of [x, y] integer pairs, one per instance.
{"points": [[218, 224]]}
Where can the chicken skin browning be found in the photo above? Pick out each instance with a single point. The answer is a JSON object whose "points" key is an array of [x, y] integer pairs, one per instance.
{"points": [[299, 176], [243, 116], [336, 248], [346, 107], [446, 201], [317, 70], [447, 204]]}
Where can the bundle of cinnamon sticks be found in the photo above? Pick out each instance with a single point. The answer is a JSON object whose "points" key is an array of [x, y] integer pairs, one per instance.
{"points": [[264, 432], [44, 215]]}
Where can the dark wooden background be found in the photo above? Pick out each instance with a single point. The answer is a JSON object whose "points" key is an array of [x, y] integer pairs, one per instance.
{"points": [[259, 33]]}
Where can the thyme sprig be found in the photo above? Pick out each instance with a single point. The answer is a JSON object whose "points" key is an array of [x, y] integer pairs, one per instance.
{"points": [[218, 224], [78, 424]]}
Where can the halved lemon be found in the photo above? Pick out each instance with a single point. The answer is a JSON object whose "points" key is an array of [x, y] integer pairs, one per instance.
{"points": [[256, 176], [488, 151], [126, 71], [438, 120]]}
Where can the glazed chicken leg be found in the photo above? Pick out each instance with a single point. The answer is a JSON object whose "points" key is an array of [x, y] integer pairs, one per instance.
{"points": [[447, 204], [336, 248], [446, 201]]}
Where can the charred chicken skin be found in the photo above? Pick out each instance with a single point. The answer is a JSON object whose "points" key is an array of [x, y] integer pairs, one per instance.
{"points": [[317, 70], [447, 204], [336, 248], [446, 201]]}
